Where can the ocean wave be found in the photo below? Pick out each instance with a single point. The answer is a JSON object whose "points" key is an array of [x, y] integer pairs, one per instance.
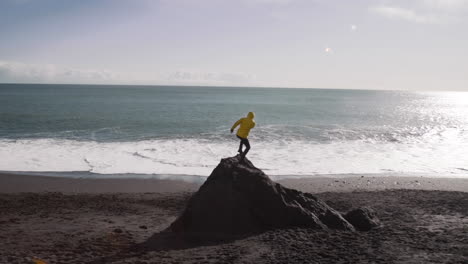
{"points": [[442, 155]]}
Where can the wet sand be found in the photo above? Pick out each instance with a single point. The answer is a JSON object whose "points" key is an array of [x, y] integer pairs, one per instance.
{"points": [[62, 220]]}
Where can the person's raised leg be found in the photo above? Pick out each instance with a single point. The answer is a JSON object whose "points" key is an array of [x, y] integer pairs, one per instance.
{"points": [[240, 145], [247, 148]]}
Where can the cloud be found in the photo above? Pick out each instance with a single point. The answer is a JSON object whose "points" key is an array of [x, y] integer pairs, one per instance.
{"points": [[269, 1], [424, 11], [17, 72], [445, 4], [49, 73], [352, 27], [405, 14], [211, 78]]}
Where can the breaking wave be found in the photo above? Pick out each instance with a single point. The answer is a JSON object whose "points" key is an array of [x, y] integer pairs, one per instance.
{"points": [[440, 154]]}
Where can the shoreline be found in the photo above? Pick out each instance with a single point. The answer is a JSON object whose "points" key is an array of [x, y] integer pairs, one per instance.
{"points": [[17, 182]]}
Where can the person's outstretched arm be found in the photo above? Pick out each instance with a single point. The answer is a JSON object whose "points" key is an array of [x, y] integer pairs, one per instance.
{"points": [[236, 124]]}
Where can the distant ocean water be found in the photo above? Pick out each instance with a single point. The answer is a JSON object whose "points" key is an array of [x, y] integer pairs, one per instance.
{"points": [[185, 130]]}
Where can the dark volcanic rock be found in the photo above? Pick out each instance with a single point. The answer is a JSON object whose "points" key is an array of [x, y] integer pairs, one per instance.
{"points": [[238, 199], [364, 219]]}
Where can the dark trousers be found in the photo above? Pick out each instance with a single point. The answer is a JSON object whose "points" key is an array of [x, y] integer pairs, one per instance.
{"points": [[245, 142]]}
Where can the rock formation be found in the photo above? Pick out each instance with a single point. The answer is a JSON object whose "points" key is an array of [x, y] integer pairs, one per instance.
{"points": [[364, 219], [238, 198]]}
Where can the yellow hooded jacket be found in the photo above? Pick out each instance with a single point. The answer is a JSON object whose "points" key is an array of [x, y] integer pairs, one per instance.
{"points": [[246, 123]]}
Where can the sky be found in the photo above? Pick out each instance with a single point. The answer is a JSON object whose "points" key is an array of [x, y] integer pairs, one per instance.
{"points": [[359, 44]]}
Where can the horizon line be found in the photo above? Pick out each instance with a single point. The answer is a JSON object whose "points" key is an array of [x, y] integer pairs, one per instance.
{"points": [[228, 86]]}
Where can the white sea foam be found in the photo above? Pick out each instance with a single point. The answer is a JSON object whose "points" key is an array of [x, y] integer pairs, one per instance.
{"points": [[445, 158]]}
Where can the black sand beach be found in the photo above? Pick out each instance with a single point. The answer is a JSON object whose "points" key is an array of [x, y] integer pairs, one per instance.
{"points": [[62, 220]]}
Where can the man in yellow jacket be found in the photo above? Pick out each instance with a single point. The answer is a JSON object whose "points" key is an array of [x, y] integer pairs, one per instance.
{"points": [[246, 123]]}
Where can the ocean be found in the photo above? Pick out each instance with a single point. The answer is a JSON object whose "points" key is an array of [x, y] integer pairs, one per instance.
{"points": [[143, 131]]}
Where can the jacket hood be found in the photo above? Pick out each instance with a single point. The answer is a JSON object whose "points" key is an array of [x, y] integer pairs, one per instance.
{"points": [[251, 115]]}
